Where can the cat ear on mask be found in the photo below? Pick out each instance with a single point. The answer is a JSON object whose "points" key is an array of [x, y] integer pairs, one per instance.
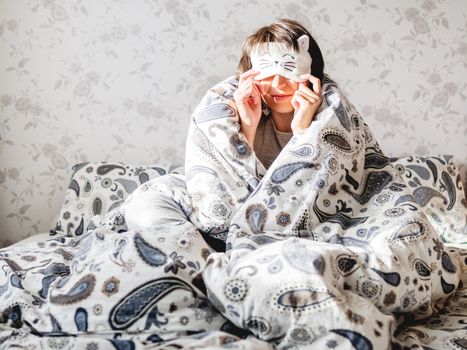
{"points": [[303, 42]]}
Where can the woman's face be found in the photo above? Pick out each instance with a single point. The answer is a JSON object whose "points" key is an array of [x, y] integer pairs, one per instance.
{"points": [[277, 93]]}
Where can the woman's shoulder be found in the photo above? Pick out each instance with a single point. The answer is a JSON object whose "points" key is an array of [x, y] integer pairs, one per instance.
{"points": [[218, 99], [328, 82], [226, 87]]}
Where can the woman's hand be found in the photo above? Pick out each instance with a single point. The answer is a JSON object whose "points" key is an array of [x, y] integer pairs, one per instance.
{"points": [[248, 101], [305, 103]]}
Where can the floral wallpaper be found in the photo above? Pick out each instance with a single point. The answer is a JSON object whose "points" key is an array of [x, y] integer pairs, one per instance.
{"points": [[116, 80]]}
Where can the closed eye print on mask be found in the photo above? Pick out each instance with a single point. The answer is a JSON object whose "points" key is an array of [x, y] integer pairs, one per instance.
{"points": [[287, 62]]}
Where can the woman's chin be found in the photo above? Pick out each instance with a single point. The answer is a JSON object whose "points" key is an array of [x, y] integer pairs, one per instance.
{"points": [[281, 106]]}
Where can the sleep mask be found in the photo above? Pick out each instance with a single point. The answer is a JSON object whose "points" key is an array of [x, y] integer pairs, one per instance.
{"points": [[275, 58]]}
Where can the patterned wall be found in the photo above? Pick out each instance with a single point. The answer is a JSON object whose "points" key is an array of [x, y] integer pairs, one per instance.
{"points": [[116, 80]]}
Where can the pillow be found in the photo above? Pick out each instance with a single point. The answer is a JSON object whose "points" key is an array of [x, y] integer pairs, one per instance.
{"points": [[97, 188], [436, 185]]}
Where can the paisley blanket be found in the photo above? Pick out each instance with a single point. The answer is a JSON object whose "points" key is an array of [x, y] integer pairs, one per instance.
{"points": [[329, 248], [328, 245]]}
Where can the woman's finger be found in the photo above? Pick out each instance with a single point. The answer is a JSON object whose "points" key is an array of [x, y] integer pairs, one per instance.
{"points": [[294, 101], [255, 90], [315, 81], [246, 84], [307, 91], [308, 97], [248, 92], [300, 100], [249, 73], [248, 88]]}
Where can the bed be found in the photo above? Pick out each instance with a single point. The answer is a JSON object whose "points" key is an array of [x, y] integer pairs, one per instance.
{"points": [[336, 245]]}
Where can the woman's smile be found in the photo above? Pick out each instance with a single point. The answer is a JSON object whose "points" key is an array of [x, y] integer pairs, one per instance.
{"points": [[278, 98]]}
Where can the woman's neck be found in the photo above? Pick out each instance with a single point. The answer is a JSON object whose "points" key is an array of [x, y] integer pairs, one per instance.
{"points": [[282, 121]]}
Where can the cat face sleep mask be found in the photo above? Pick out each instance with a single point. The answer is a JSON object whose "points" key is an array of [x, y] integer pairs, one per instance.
{"points": [[276, 58]]}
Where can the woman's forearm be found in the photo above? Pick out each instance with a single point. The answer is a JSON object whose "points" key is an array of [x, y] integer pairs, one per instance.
{"points": [[249, 132]]}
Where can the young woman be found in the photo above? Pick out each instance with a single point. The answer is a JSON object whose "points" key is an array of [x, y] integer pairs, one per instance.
{"points": [[280, 85]]}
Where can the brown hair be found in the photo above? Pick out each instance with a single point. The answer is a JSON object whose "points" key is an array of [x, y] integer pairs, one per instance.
{"points": [[285, 31]]}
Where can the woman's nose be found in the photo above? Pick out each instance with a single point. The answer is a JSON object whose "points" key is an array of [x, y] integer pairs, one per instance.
{"points": [[278, 80]]}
